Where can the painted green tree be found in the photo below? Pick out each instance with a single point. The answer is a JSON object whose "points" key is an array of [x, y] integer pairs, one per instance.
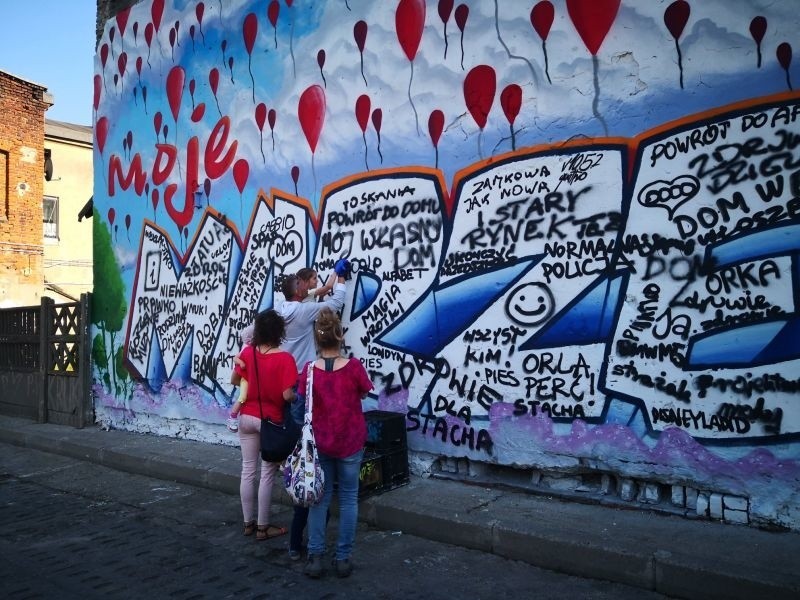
{"points": [[108, 310]]}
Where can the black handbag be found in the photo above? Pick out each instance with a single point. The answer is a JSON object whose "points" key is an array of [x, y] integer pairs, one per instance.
{"points": [[277, 439]]}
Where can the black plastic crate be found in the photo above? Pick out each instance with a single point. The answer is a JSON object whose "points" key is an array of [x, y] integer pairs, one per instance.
{"points": [[395, 468], [385, 430], [370, 477]]}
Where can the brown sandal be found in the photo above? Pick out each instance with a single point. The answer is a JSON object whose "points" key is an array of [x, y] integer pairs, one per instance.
{"points": [[249, 528], [267, 532]]}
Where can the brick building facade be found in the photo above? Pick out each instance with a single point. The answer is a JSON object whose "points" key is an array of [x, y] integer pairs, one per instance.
{"points": [[22, 111]]}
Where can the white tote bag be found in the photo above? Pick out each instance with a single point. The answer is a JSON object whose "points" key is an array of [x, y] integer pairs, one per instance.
{"points": [[303, 476]]}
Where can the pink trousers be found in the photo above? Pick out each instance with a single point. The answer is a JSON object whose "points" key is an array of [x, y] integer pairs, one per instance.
{"points": [[250, 441]]}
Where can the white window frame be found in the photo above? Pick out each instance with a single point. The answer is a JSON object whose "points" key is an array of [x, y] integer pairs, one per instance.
{"points": [[50, 230]]}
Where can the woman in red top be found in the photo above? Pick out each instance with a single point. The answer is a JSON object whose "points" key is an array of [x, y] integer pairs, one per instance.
{"points": [[270, 375], [340, 431]]}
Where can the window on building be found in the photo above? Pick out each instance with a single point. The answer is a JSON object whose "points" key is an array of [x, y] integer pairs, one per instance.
{"points": [[50, 218]]}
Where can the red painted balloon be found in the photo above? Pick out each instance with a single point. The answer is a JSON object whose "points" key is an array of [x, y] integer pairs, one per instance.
{"points": [[148, 34], [175, 81], [511, 101], [363, 106], [409, 21], [377, 119], [445, 8], [289, 3], [112, 214], [104, 55], [157, 121], [154, 198], [122, 20], [129, 139], [462, 13], [435, 126], [479, 88], [241, 171], [207, 187], [198, 11], [272, 117], [311, 112], [122, 62], [676, 16], [360, 34], [249, 31], [542, 15], [593, 20], [191, 86], [261, 115], [98, 88], [272, 12], [321, 58], [213, 80], [758, 27], [156, 12], [784, 55], [127, 221], [101, 132], [295, 174], [139, 62], [198, 112]]}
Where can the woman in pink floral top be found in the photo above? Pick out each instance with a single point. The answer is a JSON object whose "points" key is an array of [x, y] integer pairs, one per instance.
{"points": [[340, 431]]}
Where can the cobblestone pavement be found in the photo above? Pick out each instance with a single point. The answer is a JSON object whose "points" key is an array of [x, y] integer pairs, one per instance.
{"points": [[72, 529]]}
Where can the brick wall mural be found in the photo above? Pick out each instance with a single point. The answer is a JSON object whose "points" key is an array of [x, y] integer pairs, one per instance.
{"points": [[574, 225]]}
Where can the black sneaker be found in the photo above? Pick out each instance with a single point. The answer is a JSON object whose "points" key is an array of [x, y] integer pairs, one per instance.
{"points": [[343, 568], [314, 566]]}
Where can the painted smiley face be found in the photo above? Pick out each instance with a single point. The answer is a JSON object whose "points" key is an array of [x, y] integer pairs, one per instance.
{"points": [[530, 304]]}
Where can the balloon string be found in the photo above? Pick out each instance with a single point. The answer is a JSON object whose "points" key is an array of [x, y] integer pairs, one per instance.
{"points": [[500, 39], [596, 100], [291, 46], [264, 158], [445, 40], [364, 137], [758, 49], [480, 150], [788, 80], [546, 67], [364, 77], [314, 174], [680, 61], [379, 147], [250, 70], [414, 108]]}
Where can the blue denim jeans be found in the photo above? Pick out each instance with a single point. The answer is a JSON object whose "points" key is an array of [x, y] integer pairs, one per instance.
{"points": [[345, 471]]}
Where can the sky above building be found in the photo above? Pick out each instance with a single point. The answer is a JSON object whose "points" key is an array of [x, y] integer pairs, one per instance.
{"points": [[51, 42]]}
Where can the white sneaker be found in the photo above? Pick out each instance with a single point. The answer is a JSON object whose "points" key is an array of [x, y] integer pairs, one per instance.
{"points": [[233, 424]]}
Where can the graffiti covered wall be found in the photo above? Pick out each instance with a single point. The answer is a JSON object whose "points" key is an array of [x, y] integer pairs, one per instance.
{"points": [[574, 225]]}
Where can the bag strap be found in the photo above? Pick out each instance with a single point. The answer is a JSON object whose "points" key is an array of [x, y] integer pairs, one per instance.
{"points": [[258, 396], [309, 387]]}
